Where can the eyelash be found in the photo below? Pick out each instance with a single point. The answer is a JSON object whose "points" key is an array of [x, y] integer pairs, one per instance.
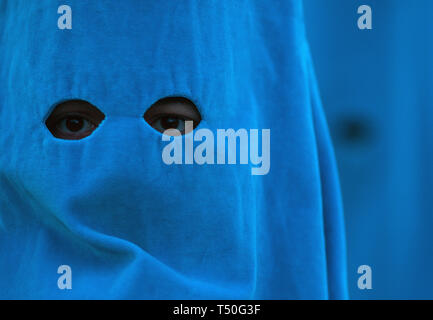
{"points": [[72, 115], [169, 115]]}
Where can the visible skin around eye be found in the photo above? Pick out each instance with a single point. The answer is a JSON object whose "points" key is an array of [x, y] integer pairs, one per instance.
{"points": [[77, 119], [74, 120], [171, 113]]}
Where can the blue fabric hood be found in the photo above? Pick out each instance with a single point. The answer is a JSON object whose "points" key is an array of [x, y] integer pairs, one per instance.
{"points": [[127, 224]]}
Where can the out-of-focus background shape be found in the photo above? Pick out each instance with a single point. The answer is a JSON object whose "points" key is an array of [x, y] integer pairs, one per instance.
{"points": [[377, 91]]}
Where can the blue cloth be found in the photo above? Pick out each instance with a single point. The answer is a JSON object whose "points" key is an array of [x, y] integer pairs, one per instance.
{"points": [[127, 224], [377, 93]]}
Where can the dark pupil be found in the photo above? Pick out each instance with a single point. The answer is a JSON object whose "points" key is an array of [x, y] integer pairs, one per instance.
{"points": [[74, 124], [169, 122]]}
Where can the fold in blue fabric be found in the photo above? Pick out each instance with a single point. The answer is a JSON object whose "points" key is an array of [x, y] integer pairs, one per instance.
{"points": [[128, 225]]}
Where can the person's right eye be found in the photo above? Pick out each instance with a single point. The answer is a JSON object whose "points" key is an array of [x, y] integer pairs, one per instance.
{"points": [[74, 120]]}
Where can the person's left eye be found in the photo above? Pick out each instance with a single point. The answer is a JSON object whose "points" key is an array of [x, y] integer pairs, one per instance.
{"points": [[169, 122], [74, 120], [173, 113]]}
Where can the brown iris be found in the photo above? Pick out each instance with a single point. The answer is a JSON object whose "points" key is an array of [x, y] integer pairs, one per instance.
{"points": [[74, 120], [171, 113]]}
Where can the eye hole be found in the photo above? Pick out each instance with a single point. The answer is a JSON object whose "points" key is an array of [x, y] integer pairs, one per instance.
{"points": [[74, 120], [173, 113]]}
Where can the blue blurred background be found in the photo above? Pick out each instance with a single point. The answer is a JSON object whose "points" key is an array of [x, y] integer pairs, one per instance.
{"points": [[377, 91]]}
